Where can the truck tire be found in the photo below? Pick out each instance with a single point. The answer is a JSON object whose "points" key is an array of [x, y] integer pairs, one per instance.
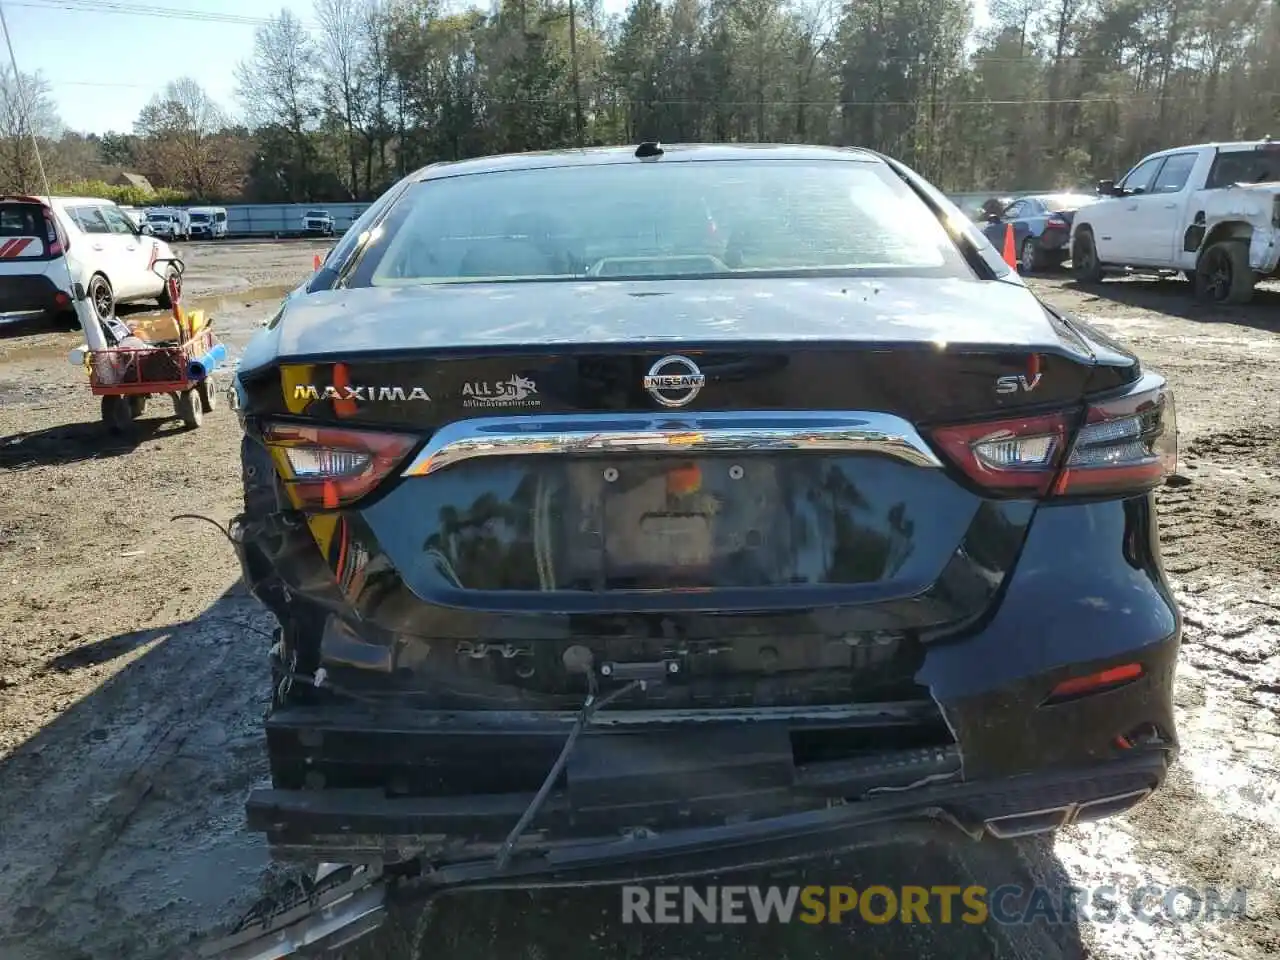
{"points": [[1223, 274], [1085, 264]]}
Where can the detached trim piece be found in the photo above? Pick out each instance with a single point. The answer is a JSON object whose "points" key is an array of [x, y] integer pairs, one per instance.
{"points": [[812, 432]]}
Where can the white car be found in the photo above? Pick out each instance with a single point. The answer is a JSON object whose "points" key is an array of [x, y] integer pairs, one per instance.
{"points": [[318, 221], [1210, 211], [48, 244]]}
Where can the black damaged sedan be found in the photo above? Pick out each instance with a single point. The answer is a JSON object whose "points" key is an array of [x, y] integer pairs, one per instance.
{"points": [[637, 512]]}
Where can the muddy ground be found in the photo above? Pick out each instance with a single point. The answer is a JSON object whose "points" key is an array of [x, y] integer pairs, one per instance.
{"points": [[132, 683]]}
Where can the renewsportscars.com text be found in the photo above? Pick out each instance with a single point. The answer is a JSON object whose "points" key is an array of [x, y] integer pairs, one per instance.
{"points": [[934, 904]]}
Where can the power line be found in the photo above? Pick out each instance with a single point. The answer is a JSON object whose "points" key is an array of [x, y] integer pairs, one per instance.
{"points": [[213, 16], [146, 10], [100, 83]]}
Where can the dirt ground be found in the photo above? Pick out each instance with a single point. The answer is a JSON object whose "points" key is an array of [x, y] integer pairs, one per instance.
{"points": [[132, 682]]}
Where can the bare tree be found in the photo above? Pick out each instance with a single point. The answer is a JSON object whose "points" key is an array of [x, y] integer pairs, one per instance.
{"points": [[280, 87], [180, 131], [345, 48], [27, 114]]}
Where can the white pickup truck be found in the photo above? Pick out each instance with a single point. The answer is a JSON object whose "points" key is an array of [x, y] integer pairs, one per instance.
{"points": [[1211, 212]]}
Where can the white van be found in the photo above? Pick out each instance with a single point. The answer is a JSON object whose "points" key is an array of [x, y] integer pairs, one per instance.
{"points": [[208, 223], [169, 223]]}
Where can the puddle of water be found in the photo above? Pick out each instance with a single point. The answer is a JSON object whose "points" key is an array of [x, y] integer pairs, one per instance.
{"points": [[232, 301]]}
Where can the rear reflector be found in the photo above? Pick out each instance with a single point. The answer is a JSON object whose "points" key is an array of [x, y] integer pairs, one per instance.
{"points": [[1125, 445], [328, 468], [1096, 682]]}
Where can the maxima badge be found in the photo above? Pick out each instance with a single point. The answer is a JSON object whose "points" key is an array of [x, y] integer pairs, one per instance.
{"points": [[678, 387]]}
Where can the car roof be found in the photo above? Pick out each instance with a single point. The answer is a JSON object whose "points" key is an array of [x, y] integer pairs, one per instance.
{"points": [[1229, 146], [672, 153], [1059, 195], [65, 201]]}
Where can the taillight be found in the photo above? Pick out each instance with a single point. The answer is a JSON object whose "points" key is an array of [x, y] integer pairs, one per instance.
{"points": [[1124, 445], [1019, 455], [56, 247], [328, 468]]}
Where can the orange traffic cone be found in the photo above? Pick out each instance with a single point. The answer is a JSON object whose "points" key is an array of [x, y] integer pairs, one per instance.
{"points": [[1010, 254], [315, 261]]}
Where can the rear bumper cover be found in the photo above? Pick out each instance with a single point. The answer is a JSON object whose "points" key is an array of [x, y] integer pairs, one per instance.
{"points": [[357, 822], [719, 793], [30, 297]]}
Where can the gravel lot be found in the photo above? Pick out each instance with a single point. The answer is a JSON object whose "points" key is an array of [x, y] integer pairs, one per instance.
{"points": [[132, 682]]}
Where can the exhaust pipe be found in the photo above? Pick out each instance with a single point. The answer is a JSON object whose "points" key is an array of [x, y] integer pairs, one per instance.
{"points": [[1053, 818]]}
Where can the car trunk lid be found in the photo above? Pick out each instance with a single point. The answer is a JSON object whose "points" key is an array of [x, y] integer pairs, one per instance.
{"points": [[786, 532]]}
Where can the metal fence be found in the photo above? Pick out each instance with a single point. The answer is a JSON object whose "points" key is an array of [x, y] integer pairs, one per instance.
{"points": [[285, 219]]}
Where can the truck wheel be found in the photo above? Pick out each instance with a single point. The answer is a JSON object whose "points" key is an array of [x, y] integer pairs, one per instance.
{"points": [[1084, 257], [1223, 274], [137, 405]]}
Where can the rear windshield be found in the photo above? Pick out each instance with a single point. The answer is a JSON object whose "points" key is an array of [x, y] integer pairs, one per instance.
{"points": [[316, 213], [655, 220], [1245, 166], [19, 222]]}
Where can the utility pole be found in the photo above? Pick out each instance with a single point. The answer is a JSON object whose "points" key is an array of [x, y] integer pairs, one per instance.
{"points": [[24, 103], [573, 66]]}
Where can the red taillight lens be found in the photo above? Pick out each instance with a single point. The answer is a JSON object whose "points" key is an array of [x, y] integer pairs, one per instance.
{"points": [[53, 238], [1125, 445], [328, 468], [1013, 456]]}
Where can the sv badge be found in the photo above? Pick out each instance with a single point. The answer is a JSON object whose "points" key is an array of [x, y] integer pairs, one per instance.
{"points": [[1012, 384]]}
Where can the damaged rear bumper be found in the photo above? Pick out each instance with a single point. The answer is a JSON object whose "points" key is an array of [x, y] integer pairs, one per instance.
{"points": [[356, 783], [464, 832]]}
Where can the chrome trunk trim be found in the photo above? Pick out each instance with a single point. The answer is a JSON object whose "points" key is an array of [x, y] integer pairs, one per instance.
{"points": [[840, 432]]}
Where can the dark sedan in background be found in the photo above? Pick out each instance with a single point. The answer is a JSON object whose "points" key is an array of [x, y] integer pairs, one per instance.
{"points": [[1041, 228]]}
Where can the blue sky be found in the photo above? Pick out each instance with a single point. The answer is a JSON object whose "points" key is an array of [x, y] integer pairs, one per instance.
{"points": [[106, 58]]}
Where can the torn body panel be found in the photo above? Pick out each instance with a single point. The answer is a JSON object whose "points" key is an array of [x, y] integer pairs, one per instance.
{"points": [[1245, 210]]}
